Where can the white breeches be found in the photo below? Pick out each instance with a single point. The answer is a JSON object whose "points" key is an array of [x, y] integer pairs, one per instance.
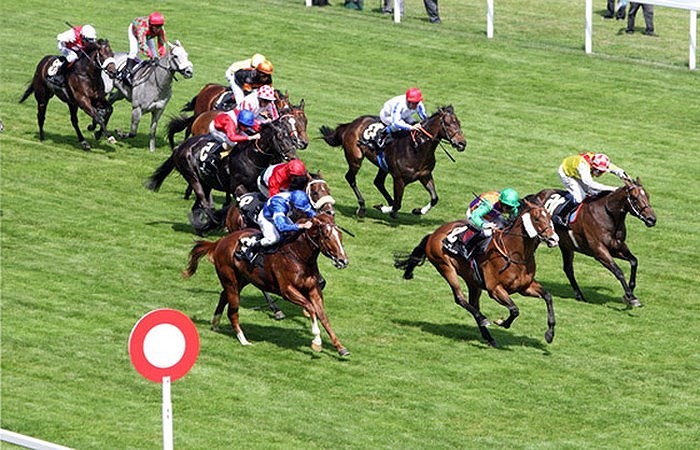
{"points": [[269, 231], [69, 54], [573, 185]]}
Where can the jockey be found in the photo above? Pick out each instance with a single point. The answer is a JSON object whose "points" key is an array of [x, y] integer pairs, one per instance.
{"points": [[250, 63], [244, 81], [70, 43], [274, 220], [576, 173], [397, 114], [262, 104], [228, 128], [146, 38], [489, 211], [283, 177]]}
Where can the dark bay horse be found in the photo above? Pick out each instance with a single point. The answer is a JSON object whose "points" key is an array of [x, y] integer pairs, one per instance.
{"points": [[409, 157], [599, 231], [152, 87], [236, 176], [507, 266], [84, 89], [291, 272], [320, 198]]}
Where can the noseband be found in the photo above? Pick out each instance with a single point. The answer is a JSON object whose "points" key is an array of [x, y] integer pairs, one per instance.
{"points": [[325, 200]]}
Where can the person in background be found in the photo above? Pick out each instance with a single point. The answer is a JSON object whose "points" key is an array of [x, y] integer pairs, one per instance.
{"points": [[648, 11], [431, 7], [147, 39], [70, 42]]}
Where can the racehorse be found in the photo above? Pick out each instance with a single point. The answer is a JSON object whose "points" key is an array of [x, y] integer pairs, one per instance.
{"points": [[506, 266], [319, 196], [152, 87], [198, 123], [291, 272], [238, 175], [409, 157], [84, 88], [599, 230]]}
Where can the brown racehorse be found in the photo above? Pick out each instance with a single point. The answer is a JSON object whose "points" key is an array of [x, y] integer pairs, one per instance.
{"points": [[319, 196], [291, 272], [409, 157], [507, 266], [599, 231], [84, 89]]}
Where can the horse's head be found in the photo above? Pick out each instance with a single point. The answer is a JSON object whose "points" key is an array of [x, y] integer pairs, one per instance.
{"points": [[638, 202], [320, 195], [294, 118], [179, 60], [276, 135], [450, 128], [538, 222], [326, 235], [103, 57]]}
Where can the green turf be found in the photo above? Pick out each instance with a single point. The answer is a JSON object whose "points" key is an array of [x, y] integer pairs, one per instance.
{"points": [[86, 250]]}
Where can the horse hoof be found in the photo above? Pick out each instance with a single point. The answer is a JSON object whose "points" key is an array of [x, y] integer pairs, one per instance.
{"points": [[498, 322], [279, 315], [361, 212], [633, 302], [493, 344], [316, 347], [549, 336], [112, 140], [417, 212], [306, 313], [343, 352], [91, 127], [86, 146]]}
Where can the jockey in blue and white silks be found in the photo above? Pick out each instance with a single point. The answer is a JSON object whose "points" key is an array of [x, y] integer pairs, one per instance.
{"points": [[398, 113], [274, 220]]}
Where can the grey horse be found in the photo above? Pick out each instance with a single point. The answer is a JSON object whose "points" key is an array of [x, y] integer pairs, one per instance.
{"points": [[152, 87]]}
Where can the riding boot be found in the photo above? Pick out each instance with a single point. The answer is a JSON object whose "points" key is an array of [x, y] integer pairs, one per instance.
{"points": [[382, 138], [561, 217], [126, 75], [469, 240]]}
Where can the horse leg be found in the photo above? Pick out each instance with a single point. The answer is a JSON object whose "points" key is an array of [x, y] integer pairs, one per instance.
{"points": [[74, 121], [567, 256], [481, 321], [429, 184], [155, 116], [230, 293], [135, 119], [317, 300], [625, 253], [216, 319], [279, 314], [379, 183], [41, 116], [500, 295], [536, 290], [351, 178], [607, 261]]}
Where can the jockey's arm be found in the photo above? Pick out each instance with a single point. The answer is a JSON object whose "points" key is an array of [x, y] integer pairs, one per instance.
{"points": [[283, 223], [477, 216], [584, 172], [162, 43], [421, 111], [619, 172]]}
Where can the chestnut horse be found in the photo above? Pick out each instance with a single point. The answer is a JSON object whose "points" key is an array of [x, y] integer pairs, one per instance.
{"points": [[236, 176], [319, 196], [83, 89], [409, 157], [506, 266], [599, 230], [291, 272]]}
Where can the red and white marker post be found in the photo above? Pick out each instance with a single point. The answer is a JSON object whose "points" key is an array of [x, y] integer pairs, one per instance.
{"points": [[163, 346]]}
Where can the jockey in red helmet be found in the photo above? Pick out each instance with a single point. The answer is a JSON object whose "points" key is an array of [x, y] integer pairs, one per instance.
{"points": [[398, 114], [146, 39], [285, 176]]}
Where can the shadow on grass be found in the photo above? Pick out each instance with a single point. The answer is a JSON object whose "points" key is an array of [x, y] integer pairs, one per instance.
{"points": [[404, 217], [462, 332], [71, 141], [597, 295]]}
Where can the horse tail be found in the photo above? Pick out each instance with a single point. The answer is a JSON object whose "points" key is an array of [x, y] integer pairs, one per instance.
{"points": [[160, 174], [27, 93], [332, 137], [200, 249], [409, 262], [178, 124], [189, 106]]}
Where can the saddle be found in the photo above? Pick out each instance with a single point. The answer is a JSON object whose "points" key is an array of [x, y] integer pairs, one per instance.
{"points": [[369, 135], [249, 205], [465, 242], [210, 157], [225, 101]]}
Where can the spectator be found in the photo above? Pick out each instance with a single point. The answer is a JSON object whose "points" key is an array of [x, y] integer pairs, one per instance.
{"points": [[648, 11], [431, 7]]}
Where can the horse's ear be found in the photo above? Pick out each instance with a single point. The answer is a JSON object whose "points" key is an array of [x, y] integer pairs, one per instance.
{"points": [[177, 43], [301, 104]]}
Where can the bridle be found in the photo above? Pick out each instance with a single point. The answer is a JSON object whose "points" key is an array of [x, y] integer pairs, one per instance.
{"points": [[321, 202], [501, 249]]}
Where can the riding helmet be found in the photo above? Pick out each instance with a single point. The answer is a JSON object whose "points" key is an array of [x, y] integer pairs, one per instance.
{"points": [[257, 59], [266, 92], [509, 197], [296, 167], [299, 197], [246, 117], [600, 161], [265, 67], [88, 32], [414, 95], [156, 18]]}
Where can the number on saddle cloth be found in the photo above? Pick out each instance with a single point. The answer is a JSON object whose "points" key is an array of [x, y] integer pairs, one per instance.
{"points": [[559, 206], [369, 135], [209, 158], [249, 206]]}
